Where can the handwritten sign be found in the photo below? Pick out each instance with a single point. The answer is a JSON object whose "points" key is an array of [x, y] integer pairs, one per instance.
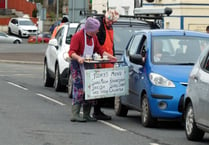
{"points": [[108, 82]]}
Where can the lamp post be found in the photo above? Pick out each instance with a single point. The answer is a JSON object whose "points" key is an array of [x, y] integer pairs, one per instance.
{"points": [[6, 3], [57, 9], [107, 5]]}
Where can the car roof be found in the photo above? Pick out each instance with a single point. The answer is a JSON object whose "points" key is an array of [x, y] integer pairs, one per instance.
{"points": [[161, 32], [131, 21], [72, 25]]}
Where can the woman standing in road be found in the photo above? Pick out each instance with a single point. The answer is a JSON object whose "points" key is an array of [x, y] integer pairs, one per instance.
{"points": [[84, 43]]}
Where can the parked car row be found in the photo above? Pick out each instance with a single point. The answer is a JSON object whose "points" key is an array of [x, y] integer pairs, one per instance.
{"points": [[57, 71], [160, 64]]}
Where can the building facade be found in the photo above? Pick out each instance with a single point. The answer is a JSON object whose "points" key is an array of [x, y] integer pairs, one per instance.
{"points": [[187, 14]]}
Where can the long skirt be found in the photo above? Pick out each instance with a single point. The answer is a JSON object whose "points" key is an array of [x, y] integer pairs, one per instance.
{"points": [[78, 90]]}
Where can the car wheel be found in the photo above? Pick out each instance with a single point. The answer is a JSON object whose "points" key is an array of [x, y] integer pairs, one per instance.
{"points": [[57, 81], [9, 31], [146, 118], [120, 109], [70, 86], [16, 42], [20, 34], [48, 81], [191, 130]]}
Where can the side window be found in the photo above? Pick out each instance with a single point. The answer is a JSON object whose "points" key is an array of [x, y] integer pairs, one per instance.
{"points": [[142, 46], [134, 46], [59, 35], [13, 21]]}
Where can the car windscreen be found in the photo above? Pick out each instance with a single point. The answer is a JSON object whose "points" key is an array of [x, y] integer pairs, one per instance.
{"points": [[122, 34], [181, 50], [25, 23]]}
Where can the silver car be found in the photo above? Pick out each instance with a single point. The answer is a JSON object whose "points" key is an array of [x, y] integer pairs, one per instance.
{"points": [[4, 38], [196, 103]]}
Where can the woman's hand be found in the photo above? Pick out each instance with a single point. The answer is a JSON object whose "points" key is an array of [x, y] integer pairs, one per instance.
{"points": [[80, 60], [111, 57]]}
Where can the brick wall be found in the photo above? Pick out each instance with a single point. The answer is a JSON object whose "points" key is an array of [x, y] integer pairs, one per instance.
{"points": [[22, 5], [19, 5]]}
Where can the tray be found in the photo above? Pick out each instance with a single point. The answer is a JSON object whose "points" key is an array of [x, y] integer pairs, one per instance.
{"points": [[101, 61]]}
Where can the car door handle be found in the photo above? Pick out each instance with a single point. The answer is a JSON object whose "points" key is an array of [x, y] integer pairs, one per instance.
{"points": [[195, 78], [131, 68]]}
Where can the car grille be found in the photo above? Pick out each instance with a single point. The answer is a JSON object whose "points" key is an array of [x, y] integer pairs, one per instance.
{"points": [[31, 31]]}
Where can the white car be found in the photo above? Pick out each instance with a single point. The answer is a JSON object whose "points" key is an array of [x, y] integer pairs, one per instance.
{"points": [[4, 38], [56, 66], [23, 27]]}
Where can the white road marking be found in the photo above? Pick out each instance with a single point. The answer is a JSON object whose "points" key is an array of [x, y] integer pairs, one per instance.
{"points": [[16, 85], [112, 125], [48, 98], [154, 144]]}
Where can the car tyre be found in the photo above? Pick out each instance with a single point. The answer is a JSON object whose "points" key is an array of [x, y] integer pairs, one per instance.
{"points": [[57, 81], [191, 130], [120, 109], [20, 34], [146, 118], [9, 31], [48, 81], [70, 86], [16, 42]]}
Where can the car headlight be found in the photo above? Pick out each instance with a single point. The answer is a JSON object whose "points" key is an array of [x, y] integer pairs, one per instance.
{"points": [[159, 80]]}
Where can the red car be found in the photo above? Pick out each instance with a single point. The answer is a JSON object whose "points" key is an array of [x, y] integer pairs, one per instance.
{"points": [[41, 38]]}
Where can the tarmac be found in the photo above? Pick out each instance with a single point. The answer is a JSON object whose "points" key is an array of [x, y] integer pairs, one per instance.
{"points": [[22, 58], [24, 53]]}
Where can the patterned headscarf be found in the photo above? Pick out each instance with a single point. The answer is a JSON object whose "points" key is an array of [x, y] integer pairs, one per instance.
{"points": [[112, 15]]}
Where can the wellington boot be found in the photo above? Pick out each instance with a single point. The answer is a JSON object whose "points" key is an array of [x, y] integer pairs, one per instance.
{"points": [[86, 113], [76, 114]]}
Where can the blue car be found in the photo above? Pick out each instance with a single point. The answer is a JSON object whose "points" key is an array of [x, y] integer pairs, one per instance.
{"points": [[159, 62]]}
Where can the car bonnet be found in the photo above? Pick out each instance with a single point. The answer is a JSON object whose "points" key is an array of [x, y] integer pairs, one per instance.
{"points": [[176, 73]]}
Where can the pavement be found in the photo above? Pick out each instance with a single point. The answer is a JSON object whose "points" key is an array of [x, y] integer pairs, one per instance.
{"points": [[22, 57]]}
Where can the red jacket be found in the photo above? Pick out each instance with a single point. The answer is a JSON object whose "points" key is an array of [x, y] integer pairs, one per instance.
{"points": [[77, 44]]}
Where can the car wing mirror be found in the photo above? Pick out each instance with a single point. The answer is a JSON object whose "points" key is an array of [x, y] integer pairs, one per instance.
{"points": [[53, 42], [137, 59]]}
